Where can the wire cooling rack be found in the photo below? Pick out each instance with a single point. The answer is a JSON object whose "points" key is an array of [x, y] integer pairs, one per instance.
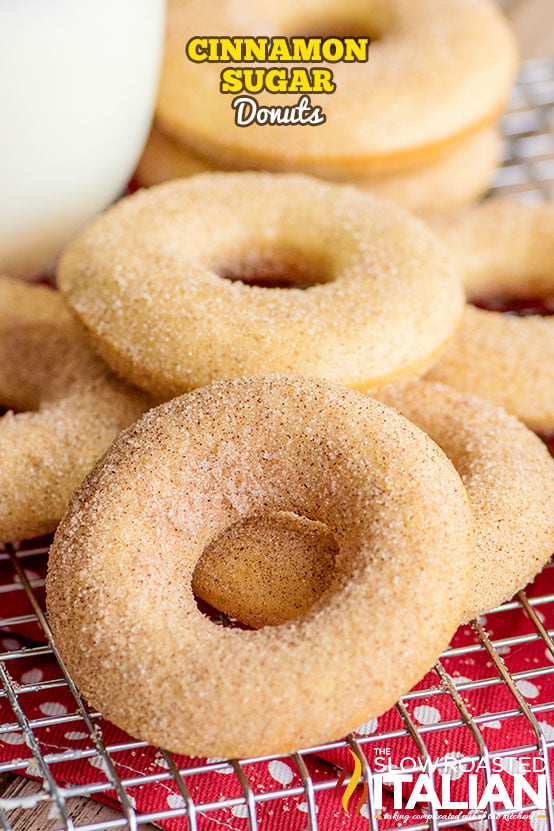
{"points": [[528, 173]]}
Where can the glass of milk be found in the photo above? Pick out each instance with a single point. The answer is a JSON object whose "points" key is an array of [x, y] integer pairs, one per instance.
{"points": [[78, 81]]}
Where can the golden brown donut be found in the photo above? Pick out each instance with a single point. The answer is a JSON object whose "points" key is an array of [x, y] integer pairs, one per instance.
{"points": [[69, 407], [509, 477], [503, 247], [436, 73], [455, 178], [119, 593], [267, 569], [149, 280]]}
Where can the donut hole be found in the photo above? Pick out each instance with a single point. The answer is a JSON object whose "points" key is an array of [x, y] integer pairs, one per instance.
{"points": [[276, 270], [19, 404], [372, 21], [266, 570], [516, 305], [340, 29]]}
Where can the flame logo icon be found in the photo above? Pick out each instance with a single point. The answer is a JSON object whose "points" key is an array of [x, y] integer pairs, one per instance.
{"points": [[355, 780]]}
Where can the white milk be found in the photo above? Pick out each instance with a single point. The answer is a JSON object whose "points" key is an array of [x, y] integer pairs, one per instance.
{"points": [[78, 81]]}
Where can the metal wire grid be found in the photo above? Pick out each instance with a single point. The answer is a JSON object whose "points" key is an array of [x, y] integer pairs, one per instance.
{"points": [[528, 173]]}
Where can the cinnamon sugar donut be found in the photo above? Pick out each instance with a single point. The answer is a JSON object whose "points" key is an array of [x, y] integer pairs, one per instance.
{"points": [[119, 592], [149, 279], [71, 408], [267, 569], [453, 179], [436, 74], [509, 477], [503, 247]]}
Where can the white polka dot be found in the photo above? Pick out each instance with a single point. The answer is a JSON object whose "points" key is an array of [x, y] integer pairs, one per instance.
{"points": [[75, 735], [132, 802], [303, 806], [52, 708], [527, 689], [427, 715], [368, 727], [479, 825], [99, 762], [538, 821], [503, 650], [240, 811], [162, 763], [10, 644], [280, 772], [32, 676], [541, 616], [492, 725], [175, 800], [547, 729], [364, 810], [12, 738], [462, 679], [512, 765], [33, 768], [549, 655]]}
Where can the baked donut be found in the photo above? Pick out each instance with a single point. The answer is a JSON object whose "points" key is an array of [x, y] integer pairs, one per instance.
{"points": [[453, 179], [162, 282], [119, 593], [267, 569], [437, 73], [503, 247], [509, 477], [69, 407]]}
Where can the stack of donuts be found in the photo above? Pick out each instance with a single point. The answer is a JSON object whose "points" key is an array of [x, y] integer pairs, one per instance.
{"points": [[316, 421], [416, 123]]}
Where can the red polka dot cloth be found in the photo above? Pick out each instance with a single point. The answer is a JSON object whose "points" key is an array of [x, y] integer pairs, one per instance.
{"points": [[48, 704]]}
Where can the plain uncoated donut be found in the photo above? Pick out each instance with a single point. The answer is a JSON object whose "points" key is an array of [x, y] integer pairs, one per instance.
{"points": [[119, 593], [145, 280], [503, 247], [72, 408]]}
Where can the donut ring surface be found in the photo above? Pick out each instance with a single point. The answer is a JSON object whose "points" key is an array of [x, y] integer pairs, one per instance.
{"points": [[71, 408], [457, 177], [503, 247], [145, 279], [509, 477], [134, 531], [435, 72]]}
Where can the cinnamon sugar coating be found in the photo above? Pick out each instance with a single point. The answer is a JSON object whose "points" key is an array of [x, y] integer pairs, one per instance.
{"points": [[149, 280], [503, 247], [509, 477], [119, 591], [70, 408]]}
